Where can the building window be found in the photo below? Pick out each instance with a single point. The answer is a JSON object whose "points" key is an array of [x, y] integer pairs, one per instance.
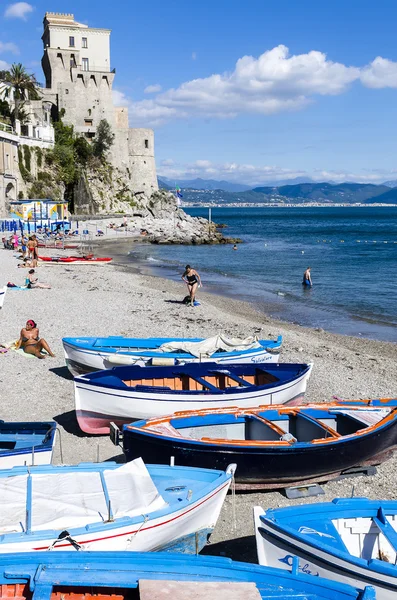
{"points": [[7, 162], [85, 63], [72, 61], [71, 41], [146, 143], [88, 122], [66, 91], [84, 43]]}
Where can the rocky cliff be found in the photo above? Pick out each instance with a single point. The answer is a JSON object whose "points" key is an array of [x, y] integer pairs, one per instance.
{"points": [[101, 189]]}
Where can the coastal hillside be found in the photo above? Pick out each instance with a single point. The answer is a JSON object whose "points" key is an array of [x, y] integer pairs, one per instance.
{"points": [[343, 193]]}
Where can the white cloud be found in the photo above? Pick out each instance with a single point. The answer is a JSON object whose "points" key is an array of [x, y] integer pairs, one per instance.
{"points": [[152, 89], [4, 66], [194, 55], [19, 10], [119, 98], [380, 73], [255, 175], [167, 162], [272, 83], [8, 47]]}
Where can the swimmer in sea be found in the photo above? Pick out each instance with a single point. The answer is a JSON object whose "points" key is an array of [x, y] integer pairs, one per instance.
{"points": [[307, 280]]}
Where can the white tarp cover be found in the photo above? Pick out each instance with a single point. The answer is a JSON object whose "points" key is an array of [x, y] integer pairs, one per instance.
{"points": [[208, 347], [65, 500]]}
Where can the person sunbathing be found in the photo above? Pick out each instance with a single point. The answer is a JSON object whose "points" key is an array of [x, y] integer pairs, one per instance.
{"points": [[33, 282], [30, 341]]}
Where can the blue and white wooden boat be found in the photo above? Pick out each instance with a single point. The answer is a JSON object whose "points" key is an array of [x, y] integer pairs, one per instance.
{"points": [[120, 575], [105, 506], [87, 354], [351, 540], [271, 445], [125, 394], [26, 443]]}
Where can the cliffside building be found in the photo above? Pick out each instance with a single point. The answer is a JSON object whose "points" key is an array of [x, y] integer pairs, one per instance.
{"points": [[79, 80]]}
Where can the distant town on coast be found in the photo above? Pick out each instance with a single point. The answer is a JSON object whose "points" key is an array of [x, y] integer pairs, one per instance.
{"points": [[200, 192]]}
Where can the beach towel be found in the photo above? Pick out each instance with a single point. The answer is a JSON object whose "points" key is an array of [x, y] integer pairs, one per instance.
{"points": [[11, 346]]}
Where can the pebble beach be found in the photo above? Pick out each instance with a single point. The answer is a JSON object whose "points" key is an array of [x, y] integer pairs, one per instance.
{"points": [[91, 300]]}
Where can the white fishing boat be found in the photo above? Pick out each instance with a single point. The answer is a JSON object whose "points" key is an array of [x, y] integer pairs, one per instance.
{"points": [[105, 506], [26, 443], [125, 394], [349, 540], [87, 354]]}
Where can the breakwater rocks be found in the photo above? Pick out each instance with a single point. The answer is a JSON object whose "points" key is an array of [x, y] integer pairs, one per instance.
{"points": [[166, 223], [159, 220]]}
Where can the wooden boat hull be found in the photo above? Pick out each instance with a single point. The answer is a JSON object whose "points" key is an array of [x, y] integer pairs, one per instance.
{"points": [[319, 549], [194, 498], [85, 355], [101, 401], [269, 463], [114, 575]]}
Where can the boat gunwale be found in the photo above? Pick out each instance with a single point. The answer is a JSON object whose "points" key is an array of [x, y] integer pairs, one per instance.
{"points": [[294, 538], [388, 420], [93, 380], [215, 485]]}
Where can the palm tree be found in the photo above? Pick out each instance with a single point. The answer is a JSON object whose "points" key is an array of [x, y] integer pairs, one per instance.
{"points": [[23, 84]]}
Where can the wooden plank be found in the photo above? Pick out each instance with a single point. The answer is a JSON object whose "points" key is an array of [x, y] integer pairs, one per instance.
{"points": [[197, 590]]}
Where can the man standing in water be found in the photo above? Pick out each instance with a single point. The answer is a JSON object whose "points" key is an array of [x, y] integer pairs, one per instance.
{"points": [[307, 280]]}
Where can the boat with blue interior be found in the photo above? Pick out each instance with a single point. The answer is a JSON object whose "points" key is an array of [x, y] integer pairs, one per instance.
{"points": [[149, 576], [107, 506], [87, 354], [349, 540], [272, 445], [125, 394]]}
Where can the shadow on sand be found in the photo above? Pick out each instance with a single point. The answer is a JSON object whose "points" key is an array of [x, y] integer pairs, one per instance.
{"points": [[62, 372], [242, 549], [69, 423]]}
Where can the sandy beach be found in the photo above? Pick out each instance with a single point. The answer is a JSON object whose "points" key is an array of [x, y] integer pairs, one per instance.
{"points": [[110, 300]]}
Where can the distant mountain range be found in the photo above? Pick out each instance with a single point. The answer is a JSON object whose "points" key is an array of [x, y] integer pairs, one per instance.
{"points": [[202, 191], [204, 184], [326, 192]]}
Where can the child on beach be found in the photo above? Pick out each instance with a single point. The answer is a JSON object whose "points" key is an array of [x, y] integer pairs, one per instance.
{"points": [[32, 282], [31, 342]]}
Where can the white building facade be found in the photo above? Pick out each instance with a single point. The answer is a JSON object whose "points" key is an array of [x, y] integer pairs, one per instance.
{"points": [[79, 81]]}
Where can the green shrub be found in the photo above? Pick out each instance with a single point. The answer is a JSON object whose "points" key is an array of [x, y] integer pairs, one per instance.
{"points": [[39, 156], [28, 158]]}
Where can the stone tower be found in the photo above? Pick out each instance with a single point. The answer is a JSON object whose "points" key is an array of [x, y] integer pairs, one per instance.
{"points": [[79, 81]]}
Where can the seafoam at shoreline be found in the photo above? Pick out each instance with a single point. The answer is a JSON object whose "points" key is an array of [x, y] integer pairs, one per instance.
{"points": [[108, 300]]}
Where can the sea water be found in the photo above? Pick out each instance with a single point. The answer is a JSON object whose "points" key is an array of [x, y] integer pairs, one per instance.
{"points": [[352, 253]]}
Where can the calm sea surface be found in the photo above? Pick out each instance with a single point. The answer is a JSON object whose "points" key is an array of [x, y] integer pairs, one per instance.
{"points": [[352, 253]]}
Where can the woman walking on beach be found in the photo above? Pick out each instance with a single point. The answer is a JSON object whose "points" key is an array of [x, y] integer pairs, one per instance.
{"points": [[192, 280], [30, 341]]}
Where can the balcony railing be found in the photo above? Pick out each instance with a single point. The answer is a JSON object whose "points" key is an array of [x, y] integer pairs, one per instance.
{"points": [[6, 127]]}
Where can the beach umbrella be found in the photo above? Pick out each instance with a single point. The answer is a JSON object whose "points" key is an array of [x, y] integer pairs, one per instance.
{"points": [[21, 226], [29, 226]]}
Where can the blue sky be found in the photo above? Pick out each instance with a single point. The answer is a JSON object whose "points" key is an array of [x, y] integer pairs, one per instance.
{"points": [[315, 95]]}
